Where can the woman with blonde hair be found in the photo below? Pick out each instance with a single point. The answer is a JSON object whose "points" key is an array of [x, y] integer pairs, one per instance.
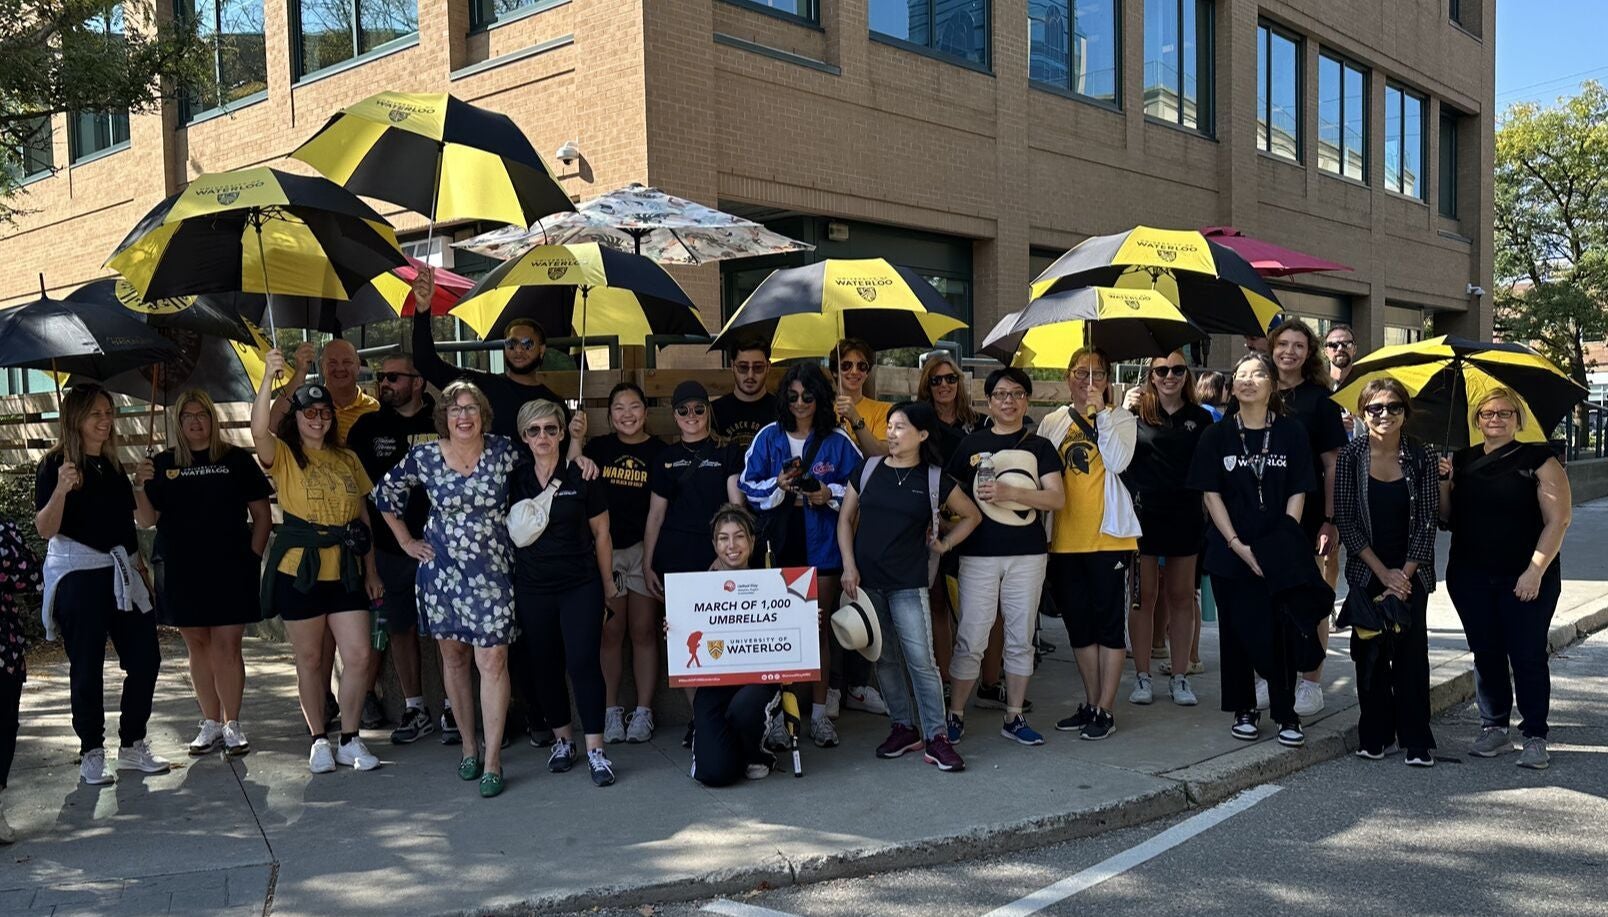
{"points": [[198, 496], [943, 385]]}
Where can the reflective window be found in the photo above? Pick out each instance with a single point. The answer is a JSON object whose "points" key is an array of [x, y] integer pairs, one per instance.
{"points": [[1448, 164], [90, 132], [332, 31], [1075, 45], [1404, 141], [239, 52], [1178, 62], [1342, 118], [1278, 95], [37, 154], [804, 9], [955, 27]]}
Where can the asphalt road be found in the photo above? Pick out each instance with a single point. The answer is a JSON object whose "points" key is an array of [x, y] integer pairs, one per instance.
{"points": [[1349, 837]]}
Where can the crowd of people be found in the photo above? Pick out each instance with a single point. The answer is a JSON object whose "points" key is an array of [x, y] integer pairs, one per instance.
{"points": [[534, 553]]}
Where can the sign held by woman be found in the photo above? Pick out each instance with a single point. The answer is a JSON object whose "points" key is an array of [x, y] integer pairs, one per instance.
{"points": [[733, 627]]}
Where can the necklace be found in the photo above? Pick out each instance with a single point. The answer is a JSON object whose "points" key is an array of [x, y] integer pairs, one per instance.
{"points": [[1258, 465], [905, 476]]}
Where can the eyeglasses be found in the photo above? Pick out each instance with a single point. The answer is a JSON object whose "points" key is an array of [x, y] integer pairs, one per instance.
{"points": [[1339, 345], [1162, 372], [693, 410], [463, 410], [1255, 375], [849, 365], [946, 378], [535, 430], [1013, 394], [1085, 375], [1503, 414], [797, 397], [750, 369], [521, 343], [194, 416], [394, 378], [1381, 408], [317, 413]]}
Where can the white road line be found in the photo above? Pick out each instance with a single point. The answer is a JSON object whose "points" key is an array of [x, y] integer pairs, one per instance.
{"points": [[738, 909], [1133, 856]]}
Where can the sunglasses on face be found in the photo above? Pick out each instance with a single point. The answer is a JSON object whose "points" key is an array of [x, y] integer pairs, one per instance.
{"points": [[520, 343], [797, 397], [1381, 408], [317, 413], [537, 430], [463, 410], [1162, 372], [394, 378], [1339, 345], [1504, 414], [946, 378], [1257, 375], [749, 369], [692, 410], [851, 365]]}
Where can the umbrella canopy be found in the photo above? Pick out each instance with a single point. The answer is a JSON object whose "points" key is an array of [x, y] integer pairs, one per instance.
{"points": [[85, 339], [257, 231], [1126, 324], [227, 370], [449, 287], [570, 288], [1268, 259], [1217, 289], [644, 221], [805, 311], [436, 155], [383, 298], [1447, 374], [194, 314]]}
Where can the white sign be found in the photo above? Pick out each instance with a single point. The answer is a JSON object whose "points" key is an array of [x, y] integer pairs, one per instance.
{"points": [[736, 627]]}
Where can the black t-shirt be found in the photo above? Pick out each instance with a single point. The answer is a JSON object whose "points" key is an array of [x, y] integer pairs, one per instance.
{"points": [[1389, 505], [100, 513], [625, 467], [1325, 426], [996, 539], [693, 480], [380, 439], [890, 542], [1162, 454], [203, 505], [947, 438], [1226, 467], [506, 395], [737, 422], [564, 556], [1496, 509]]}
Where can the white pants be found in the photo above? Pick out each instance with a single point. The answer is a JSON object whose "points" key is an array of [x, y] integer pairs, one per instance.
{"points": [[991, 586]]}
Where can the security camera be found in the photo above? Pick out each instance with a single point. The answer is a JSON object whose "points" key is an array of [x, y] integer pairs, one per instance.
{"points": [[1475, 289], [568, 153]]}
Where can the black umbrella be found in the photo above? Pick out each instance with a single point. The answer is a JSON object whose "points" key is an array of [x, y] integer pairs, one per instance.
{"points": [[85, 339], [213, 315]]}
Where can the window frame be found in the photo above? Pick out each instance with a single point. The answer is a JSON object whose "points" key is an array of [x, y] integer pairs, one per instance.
{"points": [[78, 156], [1447, 177], [528, 8], [1421, 183], [46, 126], [1264, 113], [812, 18], [1206, 70], [298, 43], [188, 113], [1115, 102], [1346, 63], [930, 49]]}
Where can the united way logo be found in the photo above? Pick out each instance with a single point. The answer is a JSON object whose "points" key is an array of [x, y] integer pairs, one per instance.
{"points": [[226, 198], [869, 294], [556, 271], [397, 115], [717, 648]]}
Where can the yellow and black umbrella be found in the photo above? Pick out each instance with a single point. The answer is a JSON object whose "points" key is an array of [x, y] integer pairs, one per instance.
{"points": [[1126, 324], [1217, 289], [805, 311], [257, 230], [437, 156], [1445, 375]]}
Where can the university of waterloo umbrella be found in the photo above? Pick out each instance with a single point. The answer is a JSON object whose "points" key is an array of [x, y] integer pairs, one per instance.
{"points": [[1445, 375], [805, 311], [1215, 288], [1126, 324]]}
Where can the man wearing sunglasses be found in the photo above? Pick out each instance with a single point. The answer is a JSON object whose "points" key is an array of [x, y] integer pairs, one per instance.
{"points": [[740, 415], [1340, 346], [338, 367]]}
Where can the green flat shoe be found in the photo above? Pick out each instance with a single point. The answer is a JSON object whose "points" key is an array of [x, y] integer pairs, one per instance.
{"points": [[491, 784], [469, 768]]}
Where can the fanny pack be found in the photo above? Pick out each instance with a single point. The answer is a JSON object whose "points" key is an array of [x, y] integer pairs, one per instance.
{"points": [[527, 519]]}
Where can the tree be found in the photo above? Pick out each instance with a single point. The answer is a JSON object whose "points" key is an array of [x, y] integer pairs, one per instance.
{"points": [[73, 56], [1551, 226]]}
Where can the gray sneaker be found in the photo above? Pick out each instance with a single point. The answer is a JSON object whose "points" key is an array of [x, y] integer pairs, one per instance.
{"points": [[1142, 692], [1534, 756], [639, 727], [614, 725], [1492, 741], [1182, 694]]}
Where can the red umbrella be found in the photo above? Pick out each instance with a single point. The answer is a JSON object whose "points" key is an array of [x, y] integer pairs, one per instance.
{"points": [[449, 287], [1268, 259]]}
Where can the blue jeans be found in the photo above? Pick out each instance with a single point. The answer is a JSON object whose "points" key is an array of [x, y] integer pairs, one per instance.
{"points": [[906, 670]]}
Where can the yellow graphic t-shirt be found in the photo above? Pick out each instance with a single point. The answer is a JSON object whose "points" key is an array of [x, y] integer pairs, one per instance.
{"points": [[1077, 525], [329, 491], [875, 415]]}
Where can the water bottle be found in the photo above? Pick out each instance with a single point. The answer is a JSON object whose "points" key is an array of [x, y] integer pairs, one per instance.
{"points": [[985, 470], [379, 634]]}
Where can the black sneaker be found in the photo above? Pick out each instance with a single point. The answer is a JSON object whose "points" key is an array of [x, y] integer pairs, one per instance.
{"points": [[1102, 726], [449, 728], [563, 756], [1420, 757], [1245, 727], [1291, 736], [541, 737], [600, 766], [416, 724], [1075, 723], [992, 697], [373, 714], [686, 737]]}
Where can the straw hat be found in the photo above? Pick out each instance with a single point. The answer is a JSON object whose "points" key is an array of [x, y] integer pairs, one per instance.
{"points": [[1018, 468], [857, 626]]}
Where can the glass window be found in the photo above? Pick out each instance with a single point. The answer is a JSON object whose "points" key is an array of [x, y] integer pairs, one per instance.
{"points": [[1075, 45], [1448, 165], [90, 132], [1342, 118], [804, 9], [955, 27], [1178, 62], [1454, 11], [1404, 141], [239, 52], [36, 155], [332, 31], [1278, 97]]}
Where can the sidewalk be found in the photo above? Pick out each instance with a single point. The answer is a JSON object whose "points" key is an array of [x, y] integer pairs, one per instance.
{"points": [[259, 835]]}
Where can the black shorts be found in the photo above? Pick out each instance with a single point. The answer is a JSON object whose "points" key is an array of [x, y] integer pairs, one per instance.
{"points": [[326, 597], [1090, 591], [400, 608], [1173, 529]]}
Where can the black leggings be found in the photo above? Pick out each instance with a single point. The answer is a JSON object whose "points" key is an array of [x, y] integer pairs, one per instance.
{"points": [[86, 614], [10, 706], [563, 631], [729, 723]]}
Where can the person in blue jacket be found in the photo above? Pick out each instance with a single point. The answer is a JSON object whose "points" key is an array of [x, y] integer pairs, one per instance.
{"points": [[794, 474]]}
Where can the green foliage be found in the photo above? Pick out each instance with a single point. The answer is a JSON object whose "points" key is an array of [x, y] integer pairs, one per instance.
{"points": [[17, 506]]}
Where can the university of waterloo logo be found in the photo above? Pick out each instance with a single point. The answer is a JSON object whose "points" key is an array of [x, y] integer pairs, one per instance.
{"points": [[1167, 254], [556, 271], [397, 115], [869, 294], [228, 197], [717, 648]]}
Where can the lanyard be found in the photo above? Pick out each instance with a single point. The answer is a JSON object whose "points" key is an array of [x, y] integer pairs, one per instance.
{"points": [[1259, 465]]}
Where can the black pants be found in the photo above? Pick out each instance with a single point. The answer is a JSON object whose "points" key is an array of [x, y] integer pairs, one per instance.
{"points": [[729, 723], [563, 632], [10, 706], [1502, 632], [1393, 682], [1090, 593], [522, 680], [86, 615], [1253, 640]]}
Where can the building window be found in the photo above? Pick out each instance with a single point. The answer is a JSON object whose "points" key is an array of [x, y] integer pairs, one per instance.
{"points": [[802, 9], [91, 132], [36, 155], [483, 13], [1342, 118], [1404, 141], [1178, 62], [1075, 45], [958, 28], [239, 52], [1448, 165], [332, 31], [1454, 11], [1278, 94]]}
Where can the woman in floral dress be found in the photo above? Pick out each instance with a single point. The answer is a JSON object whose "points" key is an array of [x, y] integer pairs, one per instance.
{"points": [[19, 573], [465, 589]]}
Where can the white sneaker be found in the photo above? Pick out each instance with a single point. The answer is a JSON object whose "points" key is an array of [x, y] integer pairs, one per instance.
{"points": [[92, 769], [356, 755], [834, 703], [1182, 694], [1308, 697], [614, 725], [8, 834], [640, 726], [139, 757], [1142, 692], [752, 772], [1261, 693], [234, 739], [823, 733], [321, 760], [206, 741], [866, 699]]}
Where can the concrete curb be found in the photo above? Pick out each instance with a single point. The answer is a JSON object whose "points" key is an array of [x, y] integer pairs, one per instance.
{"points": [[1199, 785]]}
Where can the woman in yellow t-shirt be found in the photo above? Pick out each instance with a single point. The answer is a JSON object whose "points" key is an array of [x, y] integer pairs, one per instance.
{"points": [[1093, 536], [322, 578], [864, 419]]}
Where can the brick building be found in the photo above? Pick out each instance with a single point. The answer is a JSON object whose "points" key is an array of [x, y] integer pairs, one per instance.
{"points": [[971, 139]]}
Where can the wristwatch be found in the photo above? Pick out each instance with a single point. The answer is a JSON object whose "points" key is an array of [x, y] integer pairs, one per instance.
{"points": [[859, 425]]}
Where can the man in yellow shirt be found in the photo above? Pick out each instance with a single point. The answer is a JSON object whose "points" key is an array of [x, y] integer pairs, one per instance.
{"points": [[864, 419], [338, 366]]}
